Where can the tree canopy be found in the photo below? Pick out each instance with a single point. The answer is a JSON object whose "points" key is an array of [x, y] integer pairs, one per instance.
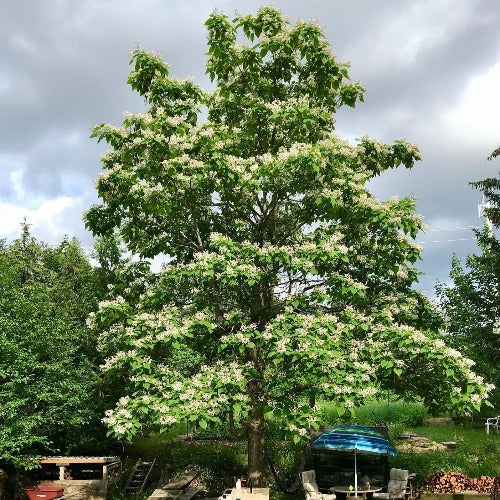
{"points": [[472, 307], [48, 364], [287, 280], [471, 303]]}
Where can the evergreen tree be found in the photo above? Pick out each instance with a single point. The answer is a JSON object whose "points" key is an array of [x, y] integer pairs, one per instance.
{"points": [[491, 191]]}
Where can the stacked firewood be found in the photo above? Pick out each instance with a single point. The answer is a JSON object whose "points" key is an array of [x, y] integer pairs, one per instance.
{"points": [[456, 482]]}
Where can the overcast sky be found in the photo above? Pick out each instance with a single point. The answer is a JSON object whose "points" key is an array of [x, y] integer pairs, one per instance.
{"points": [[431, 67]]}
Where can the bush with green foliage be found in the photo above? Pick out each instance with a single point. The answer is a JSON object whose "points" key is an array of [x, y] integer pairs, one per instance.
{"points": [[49, 368], [406, 413]]}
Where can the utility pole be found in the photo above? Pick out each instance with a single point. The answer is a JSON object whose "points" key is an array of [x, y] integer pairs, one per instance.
{"points": [[481, 211]]}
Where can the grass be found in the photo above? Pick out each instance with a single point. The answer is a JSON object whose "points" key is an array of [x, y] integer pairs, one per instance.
{"points": [[476, 455], [393, 413]]}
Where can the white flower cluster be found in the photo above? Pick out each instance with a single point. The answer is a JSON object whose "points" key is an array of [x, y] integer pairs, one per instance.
{"points": [[368, 392], [342, 389], [267, 334], [451, 353], [281, 345], [117, 358], [332, 244], [138, 118], [496, 327], [174, 121], [476, 398], [167, 420], [418, 337], [90, 321], [110, 129], [477, 379], [119, 418], [111, 303]]}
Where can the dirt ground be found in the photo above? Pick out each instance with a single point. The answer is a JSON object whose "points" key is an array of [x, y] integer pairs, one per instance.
{"points": [[417, 444]]}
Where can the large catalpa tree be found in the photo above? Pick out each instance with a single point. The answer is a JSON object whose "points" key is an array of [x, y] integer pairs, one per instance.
{"points": [[288, 282]]}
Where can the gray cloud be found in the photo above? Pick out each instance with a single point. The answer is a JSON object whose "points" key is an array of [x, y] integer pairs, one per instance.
{"points": [[63, 67]]}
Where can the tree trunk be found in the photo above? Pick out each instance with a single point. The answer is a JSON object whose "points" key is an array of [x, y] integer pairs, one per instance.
{"points": [[256, 459], [232, 429], [312, 400], [3, 476]]}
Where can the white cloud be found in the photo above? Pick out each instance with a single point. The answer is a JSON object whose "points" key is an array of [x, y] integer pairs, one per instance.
{"points": [[16, 183], [476, 118], [47, 220], [64, 65]]}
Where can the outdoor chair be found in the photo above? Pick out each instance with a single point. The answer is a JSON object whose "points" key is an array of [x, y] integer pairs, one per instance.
{"points": [[492, 422], [311, 488], [398, 481]]}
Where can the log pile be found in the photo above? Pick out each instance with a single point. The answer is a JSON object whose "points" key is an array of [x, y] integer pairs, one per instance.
{"points": [[456, 482]]}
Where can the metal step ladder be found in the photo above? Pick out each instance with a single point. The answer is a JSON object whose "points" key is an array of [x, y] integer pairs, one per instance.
{"points": [[139, 476]]}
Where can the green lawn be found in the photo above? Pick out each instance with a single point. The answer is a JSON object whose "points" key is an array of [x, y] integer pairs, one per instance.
{"points": [[476, 455]]}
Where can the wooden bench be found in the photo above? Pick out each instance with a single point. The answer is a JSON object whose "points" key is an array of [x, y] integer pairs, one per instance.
{"points": [[178, 487]]}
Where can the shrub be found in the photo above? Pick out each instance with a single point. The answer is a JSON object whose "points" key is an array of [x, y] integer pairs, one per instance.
{"points": [[410, 414]]}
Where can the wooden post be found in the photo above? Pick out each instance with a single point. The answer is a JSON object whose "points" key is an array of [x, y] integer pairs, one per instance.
{"points": [[105, 472], [62, 470]]}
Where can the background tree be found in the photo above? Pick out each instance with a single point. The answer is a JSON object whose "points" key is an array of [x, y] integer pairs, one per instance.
{"points": [[471, 305], [491, 191], [48, 363], [111, 259], [287, 281]]}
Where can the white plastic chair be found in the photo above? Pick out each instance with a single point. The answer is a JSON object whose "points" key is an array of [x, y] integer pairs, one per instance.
{"points": [[311, 487], [492, 422], [398, 481]]}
